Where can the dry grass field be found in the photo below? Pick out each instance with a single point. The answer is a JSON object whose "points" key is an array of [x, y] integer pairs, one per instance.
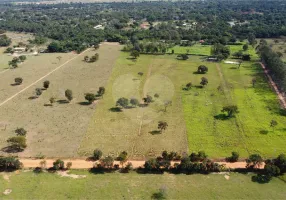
{"points": [[53, 130], [135, 129]]}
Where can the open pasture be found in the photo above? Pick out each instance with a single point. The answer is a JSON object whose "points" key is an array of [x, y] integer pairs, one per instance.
{"points": [[205, 50], [53, 131], [203, 124], [23, 185]]}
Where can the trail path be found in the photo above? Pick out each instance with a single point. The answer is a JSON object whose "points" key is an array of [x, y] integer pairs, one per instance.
{"points": [[4, 71], [274, 86], [32, 84], [84, 164]]}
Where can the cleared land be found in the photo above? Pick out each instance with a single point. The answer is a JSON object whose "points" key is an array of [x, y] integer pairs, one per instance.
{"points": [[206, 128], [135, 129], [53, 130], [23, 185], [278, 45], [205, 50]]}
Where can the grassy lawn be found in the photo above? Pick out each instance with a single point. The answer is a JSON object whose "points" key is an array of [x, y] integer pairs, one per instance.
{"points": [[25, 185]]}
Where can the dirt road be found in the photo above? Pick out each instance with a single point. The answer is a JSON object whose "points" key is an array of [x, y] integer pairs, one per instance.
{"points": [[274, 86], [13, 96], [83, 164]]}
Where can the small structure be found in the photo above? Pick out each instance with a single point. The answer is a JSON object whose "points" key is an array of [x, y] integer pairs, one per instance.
{"points": [[97, 27], [19, 49]]}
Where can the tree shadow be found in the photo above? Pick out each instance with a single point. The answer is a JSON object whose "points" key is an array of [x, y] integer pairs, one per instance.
{"points": [[142, 105], [63, 101], [48, 104], [196, 72], [221, 117], [33, 97], [233, 68], [15, 84], [261, 179], [84, 103], [264, 132], [11, 149], [198, 86], [282, 112], [115, 109], [155, 132]]}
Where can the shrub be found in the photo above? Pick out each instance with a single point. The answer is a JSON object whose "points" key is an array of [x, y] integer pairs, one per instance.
{"points": [[17, 143], [69, 95], [46, 84], [97, 154], [18, 80], [21, 132], [58, 164], [234, 157], [10, 163]]}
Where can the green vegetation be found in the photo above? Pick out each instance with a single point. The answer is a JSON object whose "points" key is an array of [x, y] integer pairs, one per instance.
{"points": [[138, 186]]}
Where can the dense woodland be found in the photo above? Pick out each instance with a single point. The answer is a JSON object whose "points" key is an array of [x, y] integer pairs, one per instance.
{"points": [[73, 24]]}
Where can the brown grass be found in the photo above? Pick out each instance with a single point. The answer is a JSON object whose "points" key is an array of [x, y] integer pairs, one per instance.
{"points": [[53, 131]]}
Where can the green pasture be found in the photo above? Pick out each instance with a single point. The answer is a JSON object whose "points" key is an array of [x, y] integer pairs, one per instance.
{"points": [[25, 185]]}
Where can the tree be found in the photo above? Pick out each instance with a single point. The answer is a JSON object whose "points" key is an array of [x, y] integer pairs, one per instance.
{"points": [[10, 163], [162, 125], [94, 58], [272, 170], [234, 157], [52, 100], [38, 91], [97, 154], [107, 162], [86, 58], [101, 91], [140, 73], [69, 165], [18, 142], [22, 58], [122, 157], [151, 164], [18, 80], [189, 86], [21, 132], [237, 54], [156, 95], [273, 124], [69, 95], [89, 97], [245, 47], [134, 54], [148, 99], [231, 110], [122, 102], [204, 81], [202, 69], [246, 57], [58, 164], [253, 81], [167, 104], [254, 160], [134, 102], [46, 84]]}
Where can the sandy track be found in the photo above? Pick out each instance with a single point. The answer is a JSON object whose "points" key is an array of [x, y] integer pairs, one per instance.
{"points": [[32, 84], [83, 164], [4, 71], [274, 86]]}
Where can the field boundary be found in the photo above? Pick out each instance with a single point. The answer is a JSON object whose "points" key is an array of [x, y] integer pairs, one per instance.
{"points": [[84, 164], [274, 86], [49, 73]]}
